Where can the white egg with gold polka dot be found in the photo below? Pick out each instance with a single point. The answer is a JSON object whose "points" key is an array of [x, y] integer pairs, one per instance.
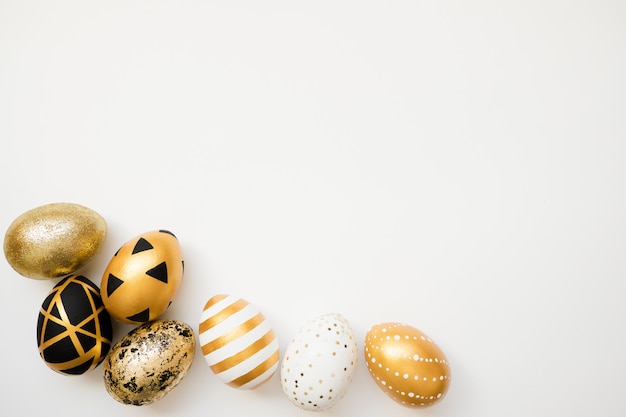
{"points": [[238, 342], [319, 363], [406, 364]]}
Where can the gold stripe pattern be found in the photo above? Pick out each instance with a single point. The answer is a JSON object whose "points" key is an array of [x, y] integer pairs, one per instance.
{"points": [[95, 354], [222, 315], [256, 372], [232, 335], [237, 342], [244, 354]]}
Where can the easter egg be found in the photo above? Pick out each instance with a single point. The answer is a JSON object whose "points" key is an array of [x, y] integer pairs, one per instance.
{"points": [[142, 278], [406, 364], [74, 330], [148, 362], [318, 364], [53, 240], [237, 342]]}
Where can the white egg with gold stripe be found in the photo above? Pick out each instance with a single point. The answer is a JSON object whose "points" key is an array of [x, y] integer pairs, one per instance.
{"points": [[237, 342]]}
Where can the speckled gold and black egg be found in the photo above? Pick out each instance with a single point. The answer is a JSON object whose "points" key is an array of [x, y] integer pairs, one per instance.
{"points": [[149, 361], [74, 331]]}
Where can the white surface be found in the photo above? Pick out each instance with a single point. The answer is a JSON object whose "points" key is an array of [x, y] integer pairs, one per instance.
{"points": [[458, 166]]}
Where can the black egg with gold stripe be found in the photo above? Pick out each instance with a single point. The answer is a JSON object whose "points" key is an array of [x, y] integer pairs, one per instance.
{"points": [[74, 330]]}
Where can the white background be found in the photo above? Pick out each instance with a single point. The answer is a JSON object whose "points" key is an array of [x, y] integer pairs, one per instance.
{"points": [[455, 165]]}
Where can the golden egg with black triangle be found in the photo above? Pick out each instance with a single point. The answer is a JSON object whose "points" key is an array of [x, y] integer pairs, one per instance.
{"points": [[74, 330], [143, 277]]}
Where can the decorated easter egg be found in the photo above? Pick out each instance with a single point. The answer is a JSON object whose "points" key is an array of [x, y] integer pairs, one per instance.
{"points": [[53, 240], [142, 278], [74, 331], [237, 342], [318, 364], [406, 364], [149, 361]]}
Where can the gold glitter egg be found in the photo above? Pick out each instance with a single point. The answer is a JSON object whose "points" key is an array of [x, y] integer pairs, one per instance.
{"points": [[406, 364], [53, 240], [142, 278], [148, 362]]}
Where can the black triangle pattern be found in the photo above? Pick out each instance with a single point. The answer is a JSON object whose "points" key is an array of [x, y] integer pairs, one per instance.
{"points": [[159, 272], [60, 351], [90, 326], [52, 329], [55, 312], [142, 245], [113, 283], [40, 321], [141, 317], [87, 342]]}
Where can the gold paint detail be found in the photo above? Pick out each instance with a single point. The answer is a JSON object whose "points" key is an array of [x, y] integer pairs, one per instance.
{"points": [[256, 372], [233, 334], [222, 315], [214, 300], [241, 356]]}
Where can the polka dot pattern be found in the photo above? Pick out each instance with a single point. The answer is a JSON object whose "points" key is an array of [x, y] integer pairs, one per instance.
{"points": [[406, 364], [318, 365]]}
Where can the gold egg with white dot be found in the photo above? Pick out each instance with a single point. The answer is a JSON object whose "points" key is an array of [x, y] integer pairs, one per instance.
{"points": [[406, 364]]}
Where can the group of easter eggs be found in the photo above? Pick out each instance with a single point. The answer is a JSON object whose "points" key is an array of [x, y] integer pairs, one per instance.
{"points": [[75, 331]]}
